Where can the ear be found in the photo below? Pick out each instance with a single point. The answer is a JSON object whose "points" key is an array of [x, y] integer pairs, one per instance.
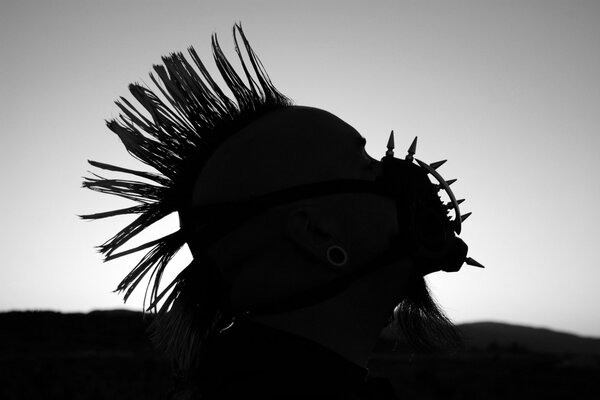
{"points": [[310, 231]]}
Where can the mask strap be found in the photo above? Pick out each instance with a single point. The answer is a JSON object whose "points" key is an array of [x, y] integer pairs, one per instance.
{"points": [[325, 290], [215, 221], [206, 224]]}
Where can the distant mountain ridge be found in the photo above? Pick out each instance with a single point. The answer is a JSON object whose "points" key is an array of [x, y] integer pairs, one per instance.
{"points": [[32, 332], [484, 334], [123, 330]]}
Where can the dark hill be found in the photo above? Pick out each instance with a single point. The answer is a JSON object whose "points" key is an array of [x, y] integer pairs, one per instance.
{"points": [[53, 332], [482, 335], [108, 355], [122, 330]]}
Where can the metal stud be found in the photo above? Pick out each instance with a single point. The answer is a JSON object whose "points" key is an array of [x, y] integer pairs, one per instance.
{"points": [[390, 146], [448, 183], [412, 150], [450, 205], [473, 262], [437, 164]]}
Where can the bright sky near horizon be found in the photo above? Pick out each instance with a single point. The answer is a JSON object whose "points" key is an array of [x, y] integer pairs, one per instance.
{"points": [[507, 91]]}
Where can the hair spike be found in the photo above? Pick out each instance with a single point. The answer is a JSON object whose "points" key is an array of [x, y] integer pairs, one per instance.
{"points": [[176, 138]]}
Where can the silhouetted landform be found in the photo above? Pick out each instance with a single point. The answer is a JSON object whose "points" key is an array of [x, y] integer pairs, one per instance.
{"points": [[484, 334], [108, 355], [100, 355], [52, 332], [494, 335]]}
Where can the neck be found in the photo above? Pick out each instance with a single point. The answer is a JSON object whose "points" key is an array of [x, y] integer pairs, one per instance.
{"points": [[349, 323]]}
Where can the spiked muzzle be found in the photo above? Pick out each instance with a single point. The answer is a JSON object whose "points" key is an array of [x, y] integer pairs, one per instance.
{"points": [[428, 226]]}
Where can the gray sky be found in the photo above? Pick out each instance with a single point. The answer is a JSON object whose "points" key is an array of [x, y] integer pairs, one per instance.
{"points": [[508, 91]]}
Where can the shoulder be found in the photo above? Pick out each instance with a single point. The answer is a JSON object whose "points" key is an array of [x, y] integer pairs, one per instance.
{"points": [[250, 361]]}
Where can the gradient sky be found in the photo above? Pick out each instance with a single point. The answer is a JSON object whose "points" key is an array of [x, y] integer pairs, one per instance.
{"points": [[508, 91]]}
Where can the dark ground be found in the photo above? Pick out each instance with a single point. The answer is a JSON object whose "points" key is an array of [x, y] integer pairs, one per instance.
{"points": [[107, 355]]}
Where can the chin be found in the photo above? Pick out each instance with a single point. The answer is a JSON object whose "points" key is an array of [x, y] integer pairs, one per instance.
{"points": [[419, 321]]}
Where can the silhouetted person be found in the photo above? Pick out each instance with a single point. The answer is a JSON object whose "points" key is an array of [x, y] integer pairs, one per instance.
{"points": [[304, 247]]}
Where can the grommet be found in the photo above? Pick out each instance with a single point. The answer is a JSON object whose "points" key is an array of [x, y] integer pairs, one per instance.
{"points": [[337, 256]]}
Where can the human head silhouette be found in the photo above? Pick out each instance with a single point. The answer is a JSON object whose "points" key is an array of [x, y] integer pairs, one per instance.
{"points": [[285, 249], [288, 219]]}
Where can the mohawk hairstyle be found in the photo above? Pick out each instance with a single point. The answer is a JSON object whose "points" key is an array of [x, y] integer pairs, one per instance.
{"points": [[176, 141]]}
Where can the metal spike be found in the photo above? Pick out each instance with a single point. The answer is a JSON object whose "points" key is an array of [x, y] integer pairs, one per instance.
{"points": [[450, 205], [412, 150], [390, 146], [450, 182], [465, 216], [422, 164], [437, 164], [473, 262]]}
